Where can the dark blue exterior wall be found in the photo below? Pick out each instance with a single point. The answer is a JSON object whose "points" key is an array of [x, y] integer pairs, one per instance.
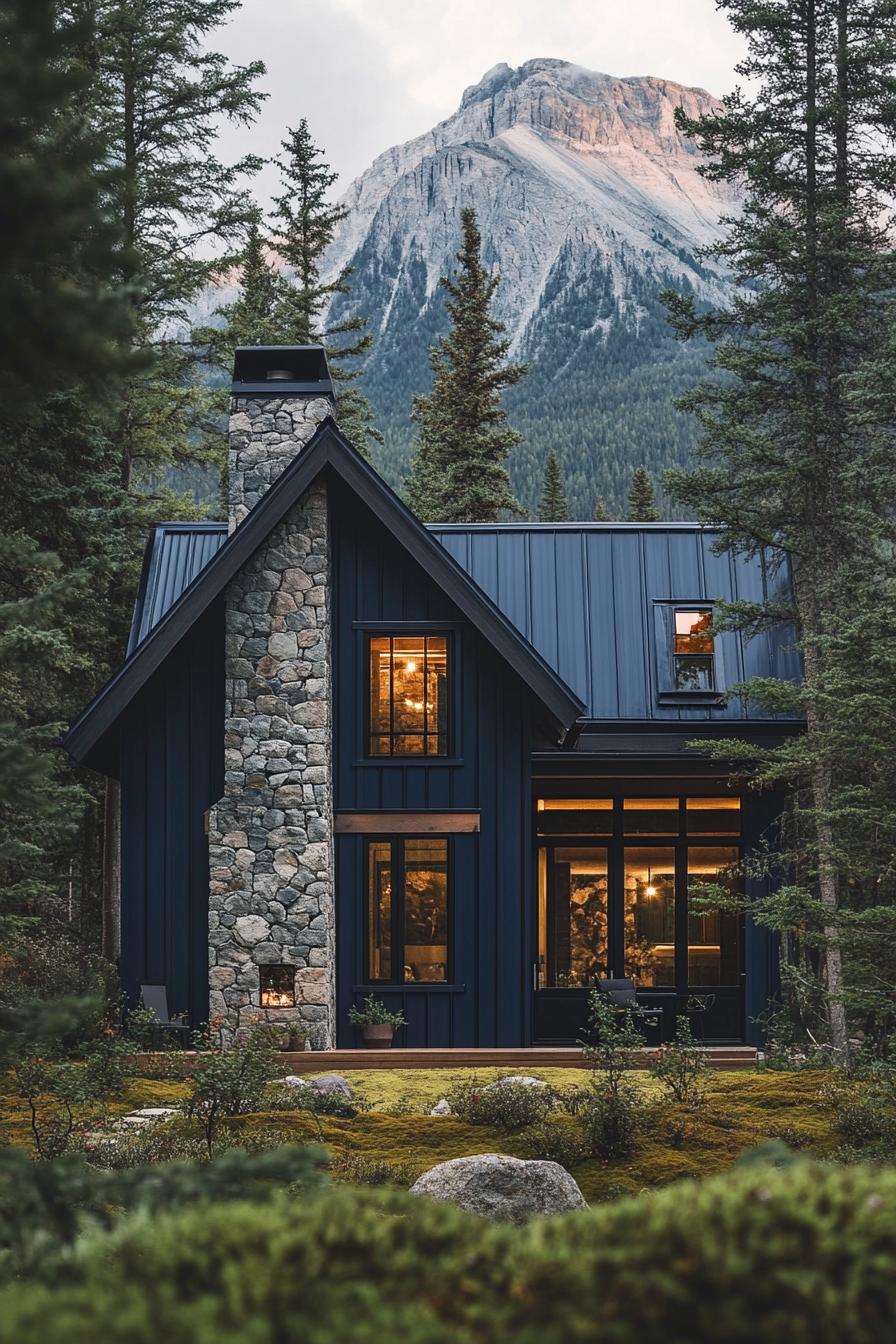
{"points": [[487, 1002], [172, 771]]}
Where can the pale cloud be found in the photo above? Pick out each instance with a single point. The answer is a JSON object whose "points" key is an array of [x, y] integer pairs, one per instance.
{"points": [[368, 74]]}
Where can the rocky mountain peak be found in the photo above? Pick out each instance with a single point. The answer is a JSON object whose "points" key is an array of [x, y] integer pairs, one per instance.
{"points": [[590, 202]]}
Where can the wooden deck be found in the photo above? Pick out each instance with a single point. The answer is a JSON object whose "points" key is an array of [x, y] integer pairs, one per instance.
{"points": [[519, 1061]]}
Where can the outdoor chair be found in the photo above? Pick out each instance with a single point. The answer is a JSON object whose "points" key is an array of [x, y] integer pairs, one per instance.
{"points": [[698, 1005], [155, 998], [623, 997]]}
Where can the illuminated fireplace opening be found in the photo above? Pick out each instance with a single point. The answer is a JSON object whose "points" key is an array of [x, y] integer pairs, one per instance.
{"points": [[278, 986]]}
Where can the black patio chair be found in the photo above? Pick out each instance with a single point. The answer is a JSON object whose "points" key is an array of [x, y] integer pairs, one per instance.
{"points": [[623, 997], [155, 999], [698, 1005]]}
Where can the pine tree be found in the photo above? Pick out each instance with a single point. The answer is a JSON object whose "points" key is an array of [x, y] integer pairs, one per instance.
{"points": [[64, 526], [554, 508], [599, 513], [459, 472], [642, 498], [305, 223], [251, 319], [158, 99], [60, 316], [796, 461]]}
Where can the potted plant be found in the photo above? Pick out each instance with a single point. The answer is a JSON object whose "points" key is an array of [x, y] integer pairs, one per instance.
{"points": [[375, 1023], [296, 1038]]}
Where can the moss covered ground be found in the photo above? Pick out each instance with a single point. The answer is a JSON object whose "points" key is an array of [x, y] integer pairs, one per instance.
{"points": [[742, 1109]]}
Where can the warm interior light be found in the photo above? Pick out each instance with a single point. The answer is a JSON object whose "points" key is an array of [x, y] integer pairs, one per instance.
{"points": [[650, 890], [278, 986], [410, 665]]}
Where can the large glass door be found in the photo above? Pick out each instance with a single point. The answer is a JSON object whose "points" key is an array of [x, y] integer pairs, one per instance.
{"points": [[575, 945], [630, 886]]}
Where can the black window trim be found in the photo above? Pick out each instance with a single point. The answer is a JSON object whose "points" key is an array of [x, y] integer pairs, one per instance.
{"points": [[664, 655], [396, 845], [676, 656], [402, 630]]}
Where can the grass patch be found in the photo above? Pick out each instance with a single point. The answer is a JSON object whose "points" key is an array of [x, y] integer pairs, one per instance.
{"points": [[742, 1109]]}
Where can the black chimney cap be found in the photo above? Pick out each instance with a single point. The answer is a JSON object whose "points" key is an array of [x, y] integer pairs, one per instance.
{"points": [[278, 370]]}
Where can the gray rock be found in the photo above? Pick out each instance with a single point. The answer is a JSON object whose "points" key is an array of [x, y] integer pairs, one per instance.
{"points": [[441, 1107], [506, 1188], [331, 1082], [515, 1080]]}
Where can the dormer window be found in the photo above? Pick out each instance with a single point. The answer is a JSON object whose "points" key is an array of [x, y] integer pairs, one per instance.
{"points": [[693, 654], [408, 695]]}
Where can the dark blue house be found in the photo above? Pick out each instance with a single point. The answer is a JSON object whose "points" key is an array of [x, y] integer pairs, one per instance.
{"points": [[451, 765]]}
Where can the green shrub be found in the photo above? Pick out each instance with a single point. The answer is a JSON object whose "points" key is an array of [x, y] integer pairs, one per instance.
{"points": [[681, 1066], [556, 1139], [610, 1119], [44, 1206], [304, 1097], [355, 1169], [610, 1106], [231, 1082], [801, 1253], [501, 1105]]}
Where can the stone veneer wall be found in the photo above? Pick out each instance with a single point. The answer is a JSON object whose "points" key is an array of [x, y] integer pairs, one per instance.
{"points": [[265, 435], [271, 836]]}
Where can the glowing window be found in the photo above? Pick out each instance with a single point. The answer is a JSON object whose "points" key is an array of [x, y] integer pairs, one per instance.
{"points": [[693, 655], [407, 910], [575, 816], [408, 695]]}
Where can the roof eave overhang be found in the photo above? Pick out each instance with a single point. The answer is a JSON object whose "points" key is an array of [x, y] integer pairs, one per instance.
{"points": [[327, 451]]}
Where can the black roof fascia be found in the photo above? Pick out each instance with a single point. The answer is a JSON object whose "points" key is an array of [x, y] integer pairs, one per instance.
{"points": [[137, 614], [326, 449]]}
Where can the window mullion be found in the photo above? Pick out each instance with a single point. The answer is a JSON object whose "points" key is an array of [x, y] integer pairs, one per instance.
{"points": [[425, 687], [398, 911], [391, 696]]}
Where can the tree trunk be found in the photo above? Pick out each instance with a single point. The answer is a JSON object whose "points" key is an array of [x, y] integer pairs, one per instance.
{"points": [[111, 938], [820, 785]]}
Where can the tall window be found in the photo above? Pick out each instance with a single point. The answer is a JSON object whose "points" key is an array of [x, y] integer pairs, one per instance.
{"points": [[407, 910], [408, 695], [649, 915], [693, 657]]}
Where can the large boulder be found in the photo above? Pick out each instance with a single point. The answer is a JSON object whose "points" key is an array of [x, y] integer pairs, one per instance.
{"points": [[507, 1188], [331, 1082]]}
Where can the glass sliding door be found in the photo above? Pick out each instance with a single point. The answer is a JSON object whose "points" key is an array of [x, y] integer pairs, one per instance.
{"points": [[575, 922], [625, 888], [713, 931], [649, 915]]}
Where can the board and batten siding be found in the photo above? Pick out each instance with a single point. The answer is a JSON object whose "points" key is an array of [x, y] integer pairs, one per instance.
{"points": [[488, 771], [172, 771]]}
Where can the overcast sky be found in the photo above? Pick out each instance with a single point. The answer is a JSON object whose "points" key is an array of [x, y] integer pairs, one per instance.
{"points": [[368, 74]]}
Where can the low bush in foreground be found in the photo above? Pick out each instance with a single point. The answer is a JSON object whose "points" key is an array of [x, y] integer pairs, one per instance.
{"points": [[762, 1255]]}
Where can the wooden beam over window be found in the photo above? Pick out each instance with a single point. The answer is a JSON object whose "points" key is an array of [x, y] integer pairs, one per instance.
{"points": [[406, 823]]}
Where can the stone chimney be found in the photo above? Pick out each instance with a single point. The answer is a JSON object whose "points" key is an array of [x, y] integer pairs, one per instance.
{"points": [[271, 895], [280, 394]]}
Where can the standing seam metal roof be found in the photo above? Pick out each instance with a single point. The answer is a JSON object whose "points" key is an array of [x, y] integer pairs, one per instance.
{"points": [[581, 593]]}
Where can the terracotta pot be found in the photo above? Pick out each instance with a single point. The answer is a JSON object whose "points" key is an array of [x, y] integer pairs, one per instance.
{"points": [[377, 1035]]}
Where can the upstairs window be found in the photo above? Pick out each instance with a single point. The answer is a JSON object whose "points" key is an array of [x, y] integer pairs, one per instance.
{"points": [[693, 652], [408, 695]]}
